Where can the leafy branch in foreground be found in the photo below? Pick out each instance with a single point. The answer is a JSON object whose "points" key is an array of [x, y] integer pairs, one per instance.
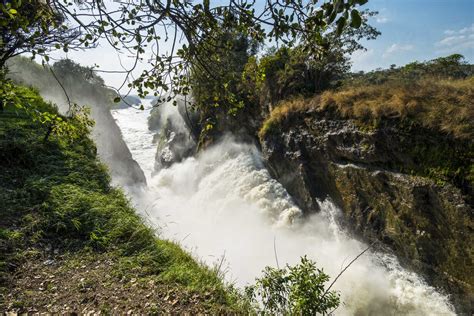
{"points": [[32, 26], [293, 290], [191, 30]]}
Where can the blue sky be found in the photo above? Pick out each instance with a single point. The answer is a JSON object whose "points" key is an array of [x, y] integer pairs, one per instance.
{"points": [[418, 30]]}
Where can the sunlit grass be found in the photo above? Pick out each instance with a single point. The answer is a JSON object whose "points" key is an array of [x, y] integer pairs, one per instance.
{"points": [[443, 105], [57, 192]]}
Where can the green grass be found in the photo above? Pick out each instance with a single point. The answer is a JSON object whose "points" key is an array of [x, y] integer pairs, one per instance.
{"points": [[57, 192]]}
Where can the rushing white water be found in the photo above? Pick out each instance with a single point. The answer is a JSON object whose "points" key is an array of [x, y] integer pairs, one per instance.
{"points": [[133, 123], [224, 204]]}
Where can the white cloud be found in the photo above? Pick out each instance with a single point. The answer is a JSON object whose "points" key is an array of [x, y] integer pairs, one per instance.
{"points": [[363, 60], [382, 17], [456, 41], [467, 30], [397, 48]]}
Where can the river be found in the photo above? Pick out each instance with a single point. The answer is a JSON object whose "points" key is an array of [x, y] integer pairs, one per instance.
{"points": [[225, 209]]}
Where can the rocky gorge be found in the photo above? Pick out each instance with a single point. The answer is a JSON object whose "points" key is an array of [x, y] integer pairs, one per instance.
{"points": [[372, 175], [401, 185]]}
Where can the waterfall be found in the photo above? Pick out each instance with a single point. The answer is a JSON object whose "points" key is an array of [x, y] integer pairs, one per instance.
{"points": [[223, 206]]}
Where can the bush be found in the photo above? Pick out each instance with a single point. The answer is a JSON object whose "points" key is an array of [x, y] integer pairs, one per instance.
{"points": [[293, 290]]}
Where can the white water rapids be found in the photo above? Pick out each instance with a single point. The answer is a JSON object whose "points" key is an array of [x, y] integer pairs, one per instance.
{"points": [[224, 203]]}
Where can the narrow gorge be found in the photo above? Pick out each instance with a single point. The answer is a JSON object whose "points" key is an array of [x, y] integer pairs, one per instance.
{"points": [[226, 209]]}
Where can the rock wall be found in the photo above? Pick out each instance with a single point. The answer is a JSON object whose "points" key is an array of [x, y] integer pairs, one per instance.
{"points": [[175, 138], [373, 174]]}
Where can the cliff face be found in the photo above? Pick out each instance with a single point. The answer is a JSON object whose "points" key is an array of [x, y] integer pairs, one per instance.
{"points": [[174, 137], [113, 150], [388, 182]]}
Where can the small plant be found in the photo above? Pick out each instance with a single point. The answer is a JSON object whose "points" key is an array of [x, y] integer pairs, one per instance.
{"points": [[293, 290]]}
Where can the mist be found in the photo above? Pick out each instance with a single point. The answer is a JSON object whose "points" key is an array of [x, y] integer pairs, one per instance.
{"points": [[111, 148]]}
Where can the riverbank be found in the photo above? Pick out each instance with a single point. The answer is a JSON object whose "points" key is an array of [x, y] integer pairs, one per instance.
{"points": [[71, 242]]}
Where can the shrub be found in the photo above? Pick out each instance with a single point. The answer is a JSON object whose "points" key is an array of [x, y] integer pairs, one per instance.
{"points": [[293, 290]]}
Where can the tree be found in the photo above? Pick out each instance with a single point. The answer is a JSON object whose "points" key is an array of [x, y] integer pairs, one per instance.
{"points": [[32, 26], [450, 67], [141, 27], [221, 91], [195, 30], [293, 71]]}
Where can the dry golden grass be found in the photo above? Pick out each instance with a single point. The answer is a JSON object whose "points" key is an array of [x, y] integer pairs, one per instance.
{"points": [[445, 105]]}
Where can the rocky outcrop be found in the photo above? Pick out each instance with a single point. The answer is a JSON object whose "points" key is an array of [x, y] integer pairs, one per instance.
{"points": [[173, 145], [113, 150], [174, 137], [382, 178]]}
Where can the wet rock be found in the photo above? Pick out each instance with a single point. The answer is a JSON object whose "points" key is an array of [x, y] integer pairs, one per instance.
{"points": [[375, 174], [174, 138]]}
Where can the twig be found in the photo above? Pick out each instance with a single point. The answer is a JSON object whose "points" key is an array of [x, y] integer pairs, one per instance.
{"points": [[220, 264], [62, 87], [343, 270], [275, 251]]}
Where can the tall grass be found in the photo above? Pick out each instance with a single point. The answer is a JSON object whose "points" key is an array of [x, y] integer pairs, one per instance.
{"points": [[443, 105]]}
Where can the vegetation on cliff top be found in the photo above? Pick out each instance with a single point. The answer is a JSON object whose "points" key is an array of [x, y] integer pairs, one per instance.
{"points": [[434, 98], [59, 213], [436, 94], [443, 105]]}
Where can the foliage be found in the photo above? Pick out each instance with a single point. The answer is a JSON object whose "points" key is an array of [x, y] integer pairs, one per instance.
{"points": [[214, 34], [294, 290], [31, 26], [137, 27], [293, 71], [221, 92], [29, 102], [240, 83], [76, 82], [449, 67], [68, 68]]}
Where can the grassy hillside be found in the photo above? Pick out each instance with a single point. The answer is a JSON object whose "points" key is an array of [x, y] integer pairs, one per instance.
{"points": [[71, 242]]}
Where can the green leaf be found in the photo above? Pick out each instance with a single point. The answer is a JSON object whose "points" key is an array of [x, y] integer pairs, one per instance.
{"points": [[356, 20], [341, 23], [13, 11]]}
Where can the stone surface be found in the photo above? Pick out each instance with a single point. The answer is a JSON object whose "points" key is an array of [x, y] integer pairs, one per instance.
{"points": [[371, 173]]}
